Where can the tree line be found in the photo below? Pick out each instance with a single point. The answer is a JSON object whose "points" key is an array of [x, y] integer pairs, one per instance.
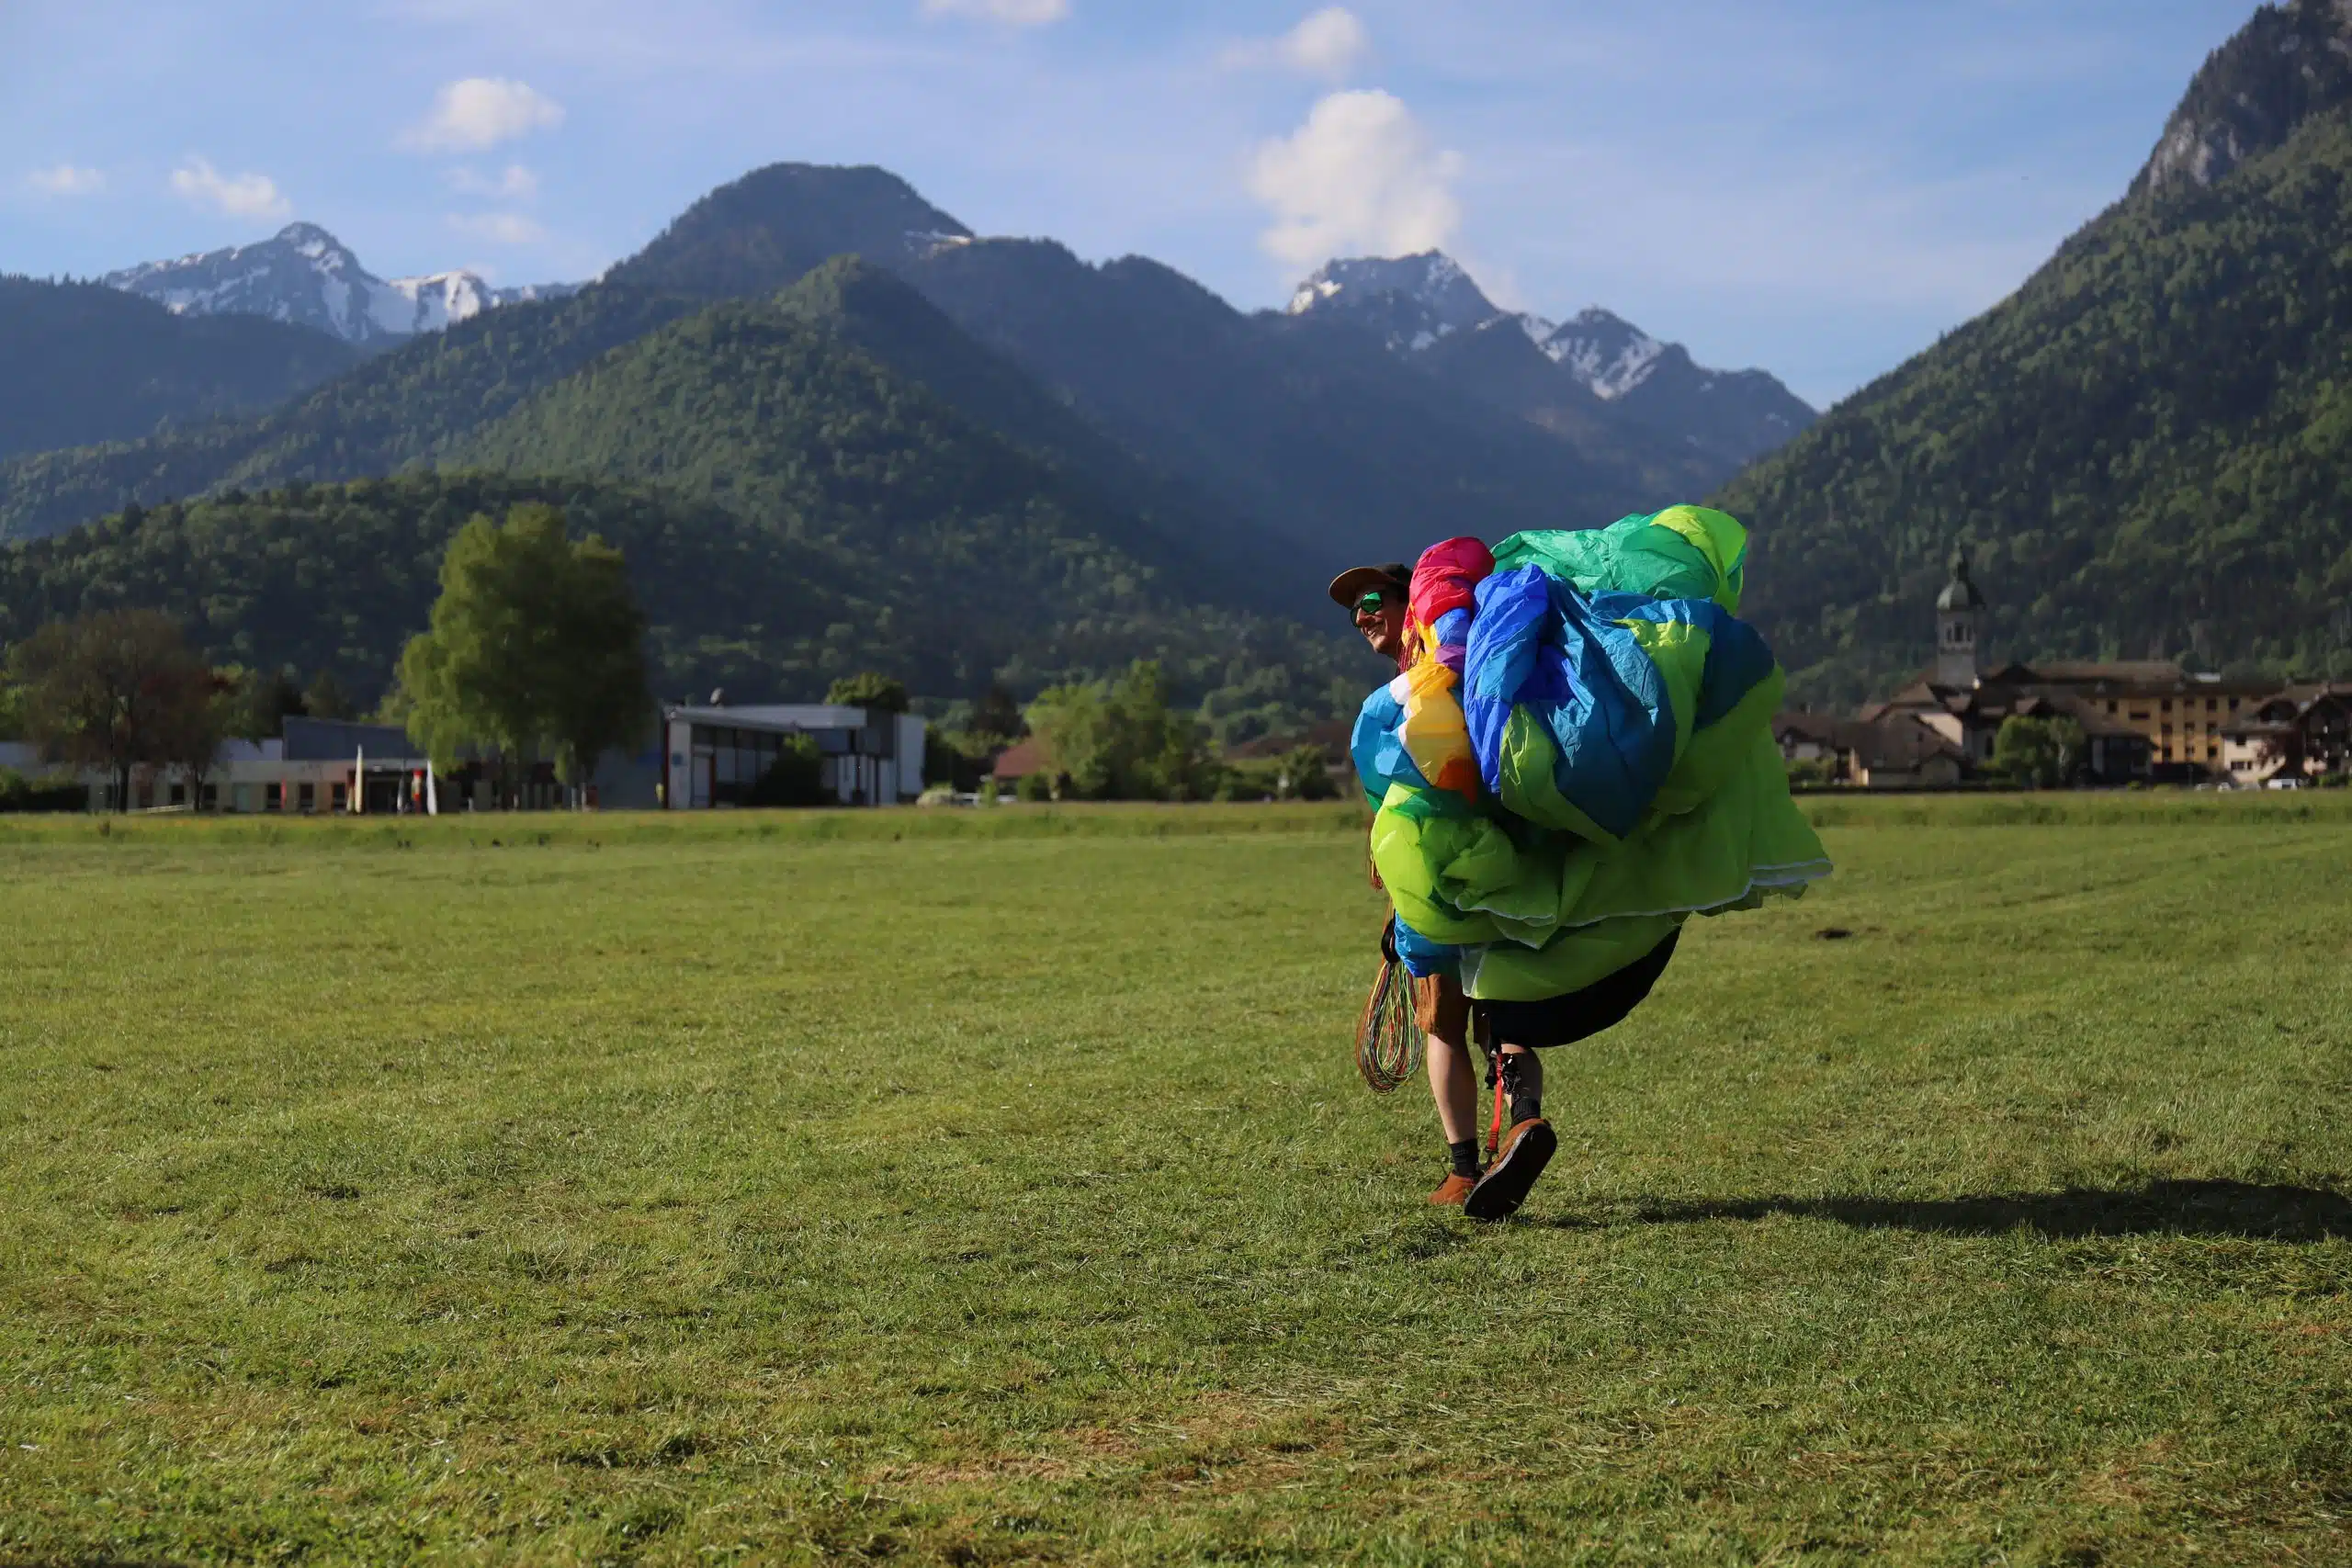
{"points": [[535, 651]]}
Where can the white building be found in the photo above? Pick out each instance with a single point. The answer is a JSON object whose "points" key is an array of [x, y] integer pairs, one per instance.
{"points": [[707, 757], [713, 756], [308, 770]]}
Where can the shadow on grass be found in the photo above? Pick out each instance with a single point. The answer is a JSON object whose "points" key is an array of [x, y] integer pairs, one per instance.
{"points": [[2161, 1208]]}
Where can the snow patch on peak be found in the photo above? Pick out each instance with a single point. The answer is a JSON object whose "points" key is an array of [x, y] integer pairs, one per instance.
{"points": [[925, 244], [310, 240], [1309, 293], [427, 304], [1538, 330], [1431, 279], [1607, 354], [1411, 300]]}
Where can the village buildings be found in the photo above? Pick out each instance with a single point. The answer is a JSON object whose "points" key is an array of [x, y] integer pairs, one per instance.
{"points": [[2142, 720]]}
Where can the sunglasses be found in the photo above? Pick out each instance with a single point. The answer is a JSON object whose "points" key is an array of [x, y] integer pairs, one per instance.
{"points": [[1371, 603]]}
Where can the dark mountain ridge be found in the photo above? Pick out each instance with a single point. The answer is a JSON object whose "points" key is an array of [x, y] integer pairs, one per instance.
{"points": [[1300, 436], [86, 364], [392, 411], [765, 231]]}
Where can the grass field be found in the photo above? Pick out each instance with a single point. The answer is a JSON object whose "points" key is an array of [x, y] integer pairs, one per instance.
{"points": [[996, 1187]]}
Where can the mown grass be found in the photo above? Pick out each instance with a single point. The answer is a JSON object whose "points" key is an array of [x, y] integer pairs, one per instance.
{"points": [[750, 1191]]}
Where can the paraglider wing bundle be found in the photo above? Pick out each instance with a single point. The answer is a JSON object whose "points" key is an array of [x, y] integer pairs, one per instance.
{"points": [[1581, 758]]}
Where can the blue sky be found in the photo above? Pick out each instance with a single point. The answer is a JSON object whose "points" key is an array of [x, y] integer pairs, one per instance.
{"points": [[1816, 187]]}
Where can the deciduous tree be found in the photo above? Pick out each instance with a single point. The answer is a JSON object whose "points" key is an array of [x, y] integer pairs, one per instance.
{"points": [[536, 651], [869, 689], [2039, 753], [1121, 740], [117, 690]]}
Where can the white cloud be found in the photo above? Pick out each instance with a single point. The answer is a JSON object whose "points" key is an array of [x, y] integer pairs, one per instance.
{"points": [[67, 180], [1361, 176], [499, 228], [243, 195], [1329, 43], [514, 183], [1010, 12], [480, 112]]}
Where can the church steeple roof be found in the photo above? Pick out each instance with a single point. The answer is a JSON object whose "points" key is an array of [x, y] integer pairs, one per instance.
{"points": [[1959, 593]]}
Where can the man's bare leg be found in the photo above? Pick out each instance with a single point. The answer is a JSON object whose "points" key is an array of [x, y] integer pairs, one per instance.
{"points": [[1454, 1084], [1442, 1013]]}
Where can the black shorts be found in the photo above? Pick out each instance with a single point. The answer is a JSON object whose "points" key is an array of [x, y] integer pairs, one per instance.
{"points": [[1564, 1020]]}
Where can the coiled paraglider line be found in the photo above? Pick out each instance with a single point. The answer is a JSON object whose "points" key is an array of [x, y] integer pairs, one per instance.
{"points": [[1388, 1043]]}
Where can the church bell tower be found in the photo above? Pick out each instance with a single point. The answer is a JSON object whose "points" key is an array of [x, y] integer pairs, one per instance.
{"points": [[1960, 612]]}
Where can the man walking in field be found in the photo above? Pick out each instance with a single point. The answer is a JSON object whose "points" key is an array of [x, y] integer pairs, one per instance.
{"points": [[1376, 596], [1574, 759]]}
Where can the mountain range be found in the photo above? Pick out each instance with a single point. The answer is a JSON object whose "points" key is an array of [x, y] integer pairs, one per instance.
{"points": [[2147, 448], [1292, 439], [306, 276]]}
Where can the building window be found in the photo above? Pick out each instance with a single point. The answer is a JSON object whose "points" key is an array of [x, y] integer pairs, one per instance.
{"points": [[2165, 705], [274, 798], [308, 795], [179, 795], [341, 797], [2111, 705]]}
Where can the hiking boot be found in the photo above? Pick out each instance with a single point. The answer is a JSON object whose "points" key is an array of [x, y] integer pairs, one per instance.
{"points": [[1527, 1149], [1451, 1192]]}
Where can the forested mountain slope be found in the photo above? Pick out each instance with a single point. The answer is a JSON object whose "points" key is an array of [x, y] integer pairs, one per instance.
{"points": [[398, 407], [338, 577], [85, 363], [2148, 448], [1235, 559], [755, 407]]}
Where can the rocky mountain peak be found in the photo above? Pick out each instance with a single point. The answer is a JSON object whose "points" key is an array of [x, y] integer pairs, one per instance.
{"points": [[304, 274], [1420, 298], [1427, 309], [312, 241], [2289, 63], [767, 230]]}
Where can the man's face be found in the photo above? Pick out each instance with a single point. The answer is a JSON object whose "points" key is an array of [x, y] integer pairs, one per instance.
{"points": [[1380, 616]]}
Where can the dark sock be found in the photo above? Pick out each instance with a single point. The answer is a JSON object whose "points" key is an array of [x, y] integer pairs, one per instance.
{"points": [[1464, 1155], [1526, 1104]]}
